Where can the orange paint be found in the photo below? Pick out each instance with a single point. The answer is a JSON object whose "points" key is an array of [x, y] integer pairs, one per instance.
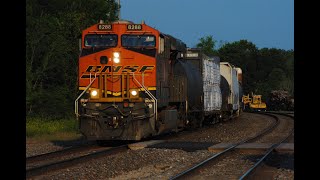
{"points": [[130, 61]]}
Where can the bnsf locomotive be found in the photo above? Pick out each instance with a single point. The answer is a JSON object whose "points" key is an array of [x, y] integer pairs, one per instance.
{"points": [[137, 82]]}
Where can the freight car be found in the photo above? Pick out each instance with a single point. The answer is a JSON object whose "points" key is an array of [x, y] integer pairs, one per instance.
{"points": [[209, 69], [231, 89], [136, 82]]}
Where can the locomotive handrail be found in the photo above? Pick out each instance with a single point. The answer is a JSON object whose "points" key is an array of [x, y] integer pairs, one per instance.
{"points": [[76, 110], [150, 94]]}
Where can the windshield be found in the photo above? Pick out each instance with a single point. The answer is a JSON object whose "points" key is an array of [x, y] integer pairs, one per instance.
{"points": [[106, 40], [138, 40]]}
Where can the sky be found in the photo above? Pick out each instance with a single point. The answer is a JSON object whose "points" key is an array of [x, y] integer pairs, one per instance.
{"points": [[265, 23]]}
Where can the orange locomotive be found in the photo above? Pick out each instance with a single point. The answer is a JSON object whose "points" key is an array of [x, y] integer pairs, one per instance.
{"points": [[125, 74]]}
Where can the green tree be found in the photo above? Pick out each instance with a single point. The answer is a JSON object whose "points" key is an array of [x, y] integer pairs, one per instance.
{"points": [[52, 31], [273, 62], [287, 83], [242, 54], [275, 77], [207, 44], [264, 70]]}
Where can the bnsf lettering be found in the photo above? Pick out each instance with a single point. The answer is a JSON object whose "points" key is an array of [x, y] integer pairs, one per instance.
{"points": [[130, 69], [92, 69], [144, 68], [108, 69]]}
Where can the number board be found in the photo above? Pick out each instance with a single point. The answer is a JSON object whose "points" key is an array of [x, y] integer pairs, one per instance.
{"points": [[105, 27], [134, 27], [192, 54]]}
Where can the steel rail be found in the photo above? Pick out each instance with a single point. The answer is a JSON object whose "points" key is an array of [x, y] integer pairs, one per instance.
{"points": [[54, 154], [66, 163], [250, 172], [190, 170]]}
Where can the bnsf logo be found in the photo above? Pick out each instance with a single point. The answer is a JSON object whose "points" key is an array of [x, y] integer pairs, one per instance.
{"points": [[102, 69]]}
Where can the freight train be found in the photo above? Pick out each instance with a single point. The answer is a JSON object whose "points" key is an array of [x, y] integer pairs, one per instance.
{"points": [[136, 82]]}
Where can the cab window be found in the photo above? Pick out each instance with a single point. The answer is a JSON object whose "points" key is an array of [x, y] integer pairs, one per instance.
{"points": [[138, 40], [101, 40]]}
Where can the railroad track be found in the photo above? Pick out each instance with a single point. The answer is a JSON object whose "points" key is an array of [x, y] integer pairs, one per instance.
{"points": [[48, 162], [248, 174], [40, 164], [56, 154], [194, 170], [285, 113]]}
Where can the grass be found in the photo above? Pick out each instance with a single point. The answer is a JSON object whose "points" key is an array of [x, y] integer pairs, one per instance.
{"points": [[49, 129]]}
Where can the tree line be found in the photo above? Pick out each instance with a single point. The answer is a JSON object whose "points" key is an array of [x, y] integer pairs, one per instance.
{"points": [[264, 70], [53, 29]]}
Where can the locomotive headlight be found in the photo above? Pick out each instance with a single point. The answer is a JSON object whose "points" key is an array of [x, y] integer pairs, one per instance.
{"points": [[116, 57], [94, 94], [134, 93], [116, 60], [116, 54]]}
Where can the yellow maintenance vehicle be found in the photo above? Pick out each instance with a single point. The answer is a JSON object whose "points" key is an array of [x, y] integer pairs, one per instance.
{"points": [[253, 103]]}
